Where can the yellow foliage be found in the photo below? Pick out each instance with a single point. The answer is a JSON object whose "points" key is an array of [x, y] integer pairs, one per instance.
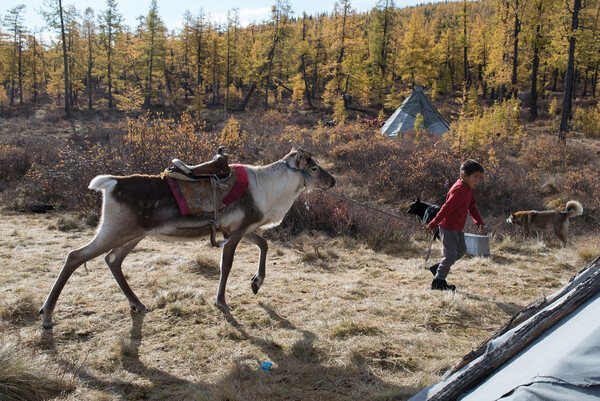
{"points": [[232, 135], [298, 90], [419, 122], [499, 123], [553, 107], [3, 97], [130, 100], [339, 112], [588, 120]]}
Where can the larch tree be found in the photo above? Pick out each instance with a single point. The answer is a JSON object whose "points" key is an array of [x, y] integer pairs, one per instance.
{"points": [[152, 31], [305, 52], [13, 22], [57, 19], [416, 62], [570, 78], [480, 51], [231, 50], [537, 31], [110, 24], [89, 34], [268, 48], [465, 42], [380, 31]]}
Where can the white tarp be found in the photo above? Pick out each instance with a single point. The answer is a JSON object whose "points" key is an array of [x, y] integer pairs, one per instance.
{"points": [[562, 364]]}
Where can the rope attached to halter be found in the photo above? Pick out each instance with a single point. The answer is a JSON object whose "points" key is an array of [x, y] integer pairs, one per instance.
{"points": [[383, 212], [304, 172], [363, 205]]}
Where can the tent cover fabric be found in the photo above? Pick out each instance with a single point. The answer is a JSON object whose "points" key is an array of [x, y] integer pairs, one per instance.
{"points": [[561, 364], [404, 117]]}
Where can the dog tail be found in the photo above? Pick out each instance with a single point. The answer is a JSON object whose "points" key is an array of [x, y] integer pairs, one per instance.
{"points": [[574, 208]]}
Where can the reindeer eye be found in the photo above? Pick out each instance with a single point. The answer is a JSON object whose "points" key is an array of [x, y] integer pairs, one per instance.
{"points": [[314, 169]]}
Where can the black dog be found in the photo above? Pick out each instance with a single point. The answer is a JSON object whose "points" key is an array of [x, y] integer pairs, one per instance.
{"points": [[426, 212]]}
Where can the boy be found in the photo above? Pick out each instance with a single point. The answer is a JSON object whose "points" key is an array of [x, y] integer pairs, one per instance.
{"points": [[451, 219]]}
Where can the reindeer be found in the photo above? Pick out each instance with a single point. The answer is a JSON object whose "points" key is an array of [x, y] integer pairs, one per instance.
{"points": [[138, 206]]}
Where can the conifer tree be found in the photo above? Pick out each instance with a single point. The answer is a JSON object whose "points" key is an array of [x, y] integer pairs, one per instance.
{"points": [[110, 25], [153, 31], [89, 34], [570, 79], [13, 22]]}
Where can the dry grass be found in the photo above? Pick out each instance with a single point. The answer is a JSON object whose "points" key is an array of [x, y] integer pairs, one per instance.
{"points": [[337, 319], [27, 378]]}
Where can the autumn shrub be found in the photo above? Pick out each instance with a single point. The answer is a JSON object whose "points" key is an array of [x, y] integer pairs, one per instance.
{"points": [[499, 124], [147, 146], [548, 153], [588, 120], [393, 169], [544, 153], [319, 211], [14, 162], [506, 187], [582, 183]]}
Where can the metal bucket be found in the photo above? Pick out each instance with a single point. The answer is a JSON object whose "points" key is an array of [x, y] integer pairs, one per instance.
{"points": [[477, 245]]}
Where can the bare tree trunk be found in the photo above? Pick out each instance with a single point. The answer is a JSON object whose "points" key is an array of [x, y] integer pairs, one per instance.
{"points": [[534, 73], [569, 81], [465, 50], [595, 80], [517, 30], [89, 71], [20, 71], [65, 59], [35, 93]]}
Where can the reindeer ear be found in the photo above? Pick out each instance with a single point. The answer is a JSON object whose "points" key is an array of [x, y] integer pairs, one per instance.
{"points": [[302, 159]]}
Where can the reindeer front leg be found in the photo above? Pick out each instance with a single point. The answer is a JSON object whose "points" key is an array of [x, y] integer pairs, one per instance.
{"points": [[226, 263], [261, 243]]}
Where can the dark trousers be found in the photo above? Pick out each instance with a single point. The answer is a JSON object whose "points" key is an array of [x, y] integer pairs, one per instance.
{"points": [[454, 249]]}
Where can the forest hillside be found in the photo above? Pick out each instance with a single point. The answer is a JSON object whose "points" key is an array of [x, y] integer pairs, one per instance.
{"points": [[346, 311]]}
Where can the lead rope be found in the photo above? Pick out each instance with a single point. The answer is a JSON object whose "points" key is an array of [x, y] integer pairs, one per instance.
{"points": [[383, 212]]}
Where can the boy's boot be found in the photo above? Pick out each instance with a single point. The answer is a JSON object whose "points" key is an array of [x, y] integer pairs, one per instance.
{"points": [[433, 269], [442, 285]]}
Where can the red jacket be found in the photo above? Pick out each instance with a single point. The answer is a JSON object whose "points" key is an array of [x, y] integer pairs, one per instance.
{"points": [[453, 214]]}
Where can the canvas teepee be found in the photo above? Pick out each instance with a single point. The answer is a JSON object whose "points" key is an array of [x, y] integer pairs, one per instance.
{"points": [[404, 117], [548, 351]]}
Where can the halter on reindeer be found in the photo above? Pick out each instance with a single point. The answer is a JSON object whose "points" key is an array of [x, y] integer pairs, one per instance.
{"points": [[138, 206]]}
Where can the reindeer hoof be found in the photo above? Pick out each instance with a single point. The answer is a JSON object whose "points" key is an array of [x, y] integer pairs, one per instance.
{"points": [[139, 308], [256, 283], [46, 320]]}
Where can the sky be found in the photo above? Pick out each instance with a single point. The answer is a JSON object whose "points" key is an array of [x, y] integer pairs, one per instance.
{"points": [[171, 11]]}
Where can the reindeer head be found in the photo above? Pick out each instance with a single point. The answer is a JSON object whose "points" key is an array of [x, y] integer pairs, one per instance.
{"points": [[302, 161]]}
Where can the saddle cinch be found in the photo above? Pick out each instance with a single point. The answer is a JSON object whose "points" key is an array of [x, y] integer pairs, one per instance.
{"points": [[206, 187]]}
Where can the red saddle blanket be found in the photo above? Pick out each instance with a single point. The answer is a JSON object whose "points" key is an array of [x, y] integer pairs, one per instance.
{"points": [[196, 197]]}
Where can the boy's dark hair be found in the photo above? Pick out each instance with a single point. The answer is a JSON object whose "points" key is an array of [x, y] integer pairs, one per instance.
{"points": [[470, 166]]}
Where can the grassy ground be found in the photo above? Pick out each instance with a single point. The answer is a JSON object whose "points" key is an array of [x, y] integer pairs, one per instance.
{"points": [[338, 320]]}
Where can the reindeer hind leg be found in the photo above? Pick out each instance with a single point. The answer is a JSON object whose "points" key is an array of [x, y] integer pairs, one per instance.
{"points": [[114, 259], [96, 247]]}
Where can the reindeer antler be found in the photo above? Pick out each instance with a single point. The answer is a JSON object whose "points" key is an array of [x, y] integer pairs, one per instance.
{"points": [[298, 147]]}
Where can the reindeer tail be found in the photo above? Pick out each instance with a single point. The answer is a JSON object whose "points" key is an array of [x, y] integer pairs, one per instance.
{"points": [[574, 208], [102, 183]]}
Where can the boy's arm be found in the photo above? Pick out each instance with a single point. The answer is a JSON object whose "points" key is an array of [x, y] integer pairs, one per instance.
{"points": [[474, 212]]}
